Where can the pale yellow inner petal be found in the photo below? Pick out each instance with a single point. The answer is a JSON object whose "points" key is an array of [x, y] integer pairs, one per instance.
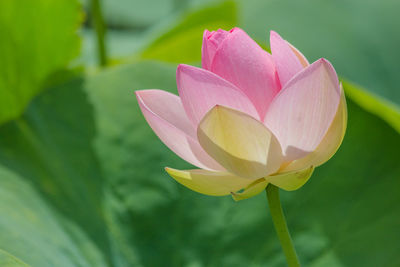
{"points": [[251, 190], [291, 180], [209, 182], [240, 143]]}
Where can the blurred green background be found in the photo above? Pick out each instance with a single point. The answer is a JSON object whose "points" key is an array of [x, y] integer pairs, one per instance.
{"points": [[81, 173]]}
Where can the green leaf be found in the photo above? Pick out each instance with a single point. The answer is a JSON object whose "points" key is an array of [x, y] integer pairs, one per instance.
{"points": [[83, 184], [8, 260], [381, 107], [182, 43], [39, 39], [36, 232], [136, 14], [51, 193]]}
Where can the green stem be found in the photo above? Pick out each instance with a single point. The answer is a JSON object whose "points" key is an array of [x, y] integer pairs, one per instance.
{"points": [[280, 226], [100, 27]]}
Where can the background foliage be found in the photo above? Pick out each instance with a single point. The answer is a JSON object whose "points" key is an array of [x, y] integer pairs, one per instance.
{"points": [[81, 173]]}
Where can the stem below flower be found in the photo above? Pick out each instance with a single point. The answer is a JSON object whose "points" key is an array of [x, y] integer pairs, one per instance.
{"points": [[280, 226]]}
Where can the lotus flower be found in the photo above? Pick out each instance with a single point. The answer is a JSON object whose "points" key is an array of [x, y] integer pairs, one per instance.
{"points": [[247, 117]]}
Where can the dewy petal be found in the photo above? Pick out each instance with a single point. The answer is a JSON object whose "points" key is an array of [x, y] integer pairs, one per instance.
{"points": [[286, 61], [240, 143], [251, 190], [330, 144], [291, 180], [303, 111], [241, 61], [200, 90], [165, 115], [209, 182]]}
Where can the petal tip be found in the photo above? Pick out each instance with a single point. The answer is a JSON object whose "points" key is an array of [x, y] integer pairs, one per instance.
{"points": [[184, 67], [275, 39], [171, 171], [324, 62], [180, 67], [320, 61], [234, 29], [273, 33], [327, 65], [139, 95]]}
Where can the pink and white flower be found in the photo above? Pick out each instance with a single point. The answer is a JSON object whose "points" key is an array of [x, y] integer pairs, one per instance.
{"points": [[247, 117]]}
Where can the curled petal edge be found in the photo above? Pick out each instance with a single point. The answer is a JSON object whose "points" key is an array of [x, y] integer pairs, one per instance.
{"points": [[291, 180], [251, 190], [209, 182]]}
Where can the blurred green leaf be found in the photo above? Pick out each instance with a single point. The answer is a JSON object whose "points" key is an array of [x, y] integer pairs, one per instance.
{"points": [[52, 191], [7, 260], [113, 205], [36, 232], [39, 38], [381, 107], [182, 42], [169, 38], [134, 14]]}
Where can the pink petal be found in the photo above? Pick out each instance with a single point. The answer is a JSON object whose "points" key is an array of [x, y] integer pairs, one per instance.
{"points": [[206, 54], [241, 61], [303, 111], [329, 144], [200, 90], [286, 61], [211, 41], [165, 114]]}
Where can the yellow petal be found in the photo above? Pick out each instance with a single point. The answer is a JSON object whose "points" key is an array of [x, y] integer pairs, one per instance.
{"points": [[209, 182], [329, 144], [251, 190], [291, 180], [240, 143]]}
